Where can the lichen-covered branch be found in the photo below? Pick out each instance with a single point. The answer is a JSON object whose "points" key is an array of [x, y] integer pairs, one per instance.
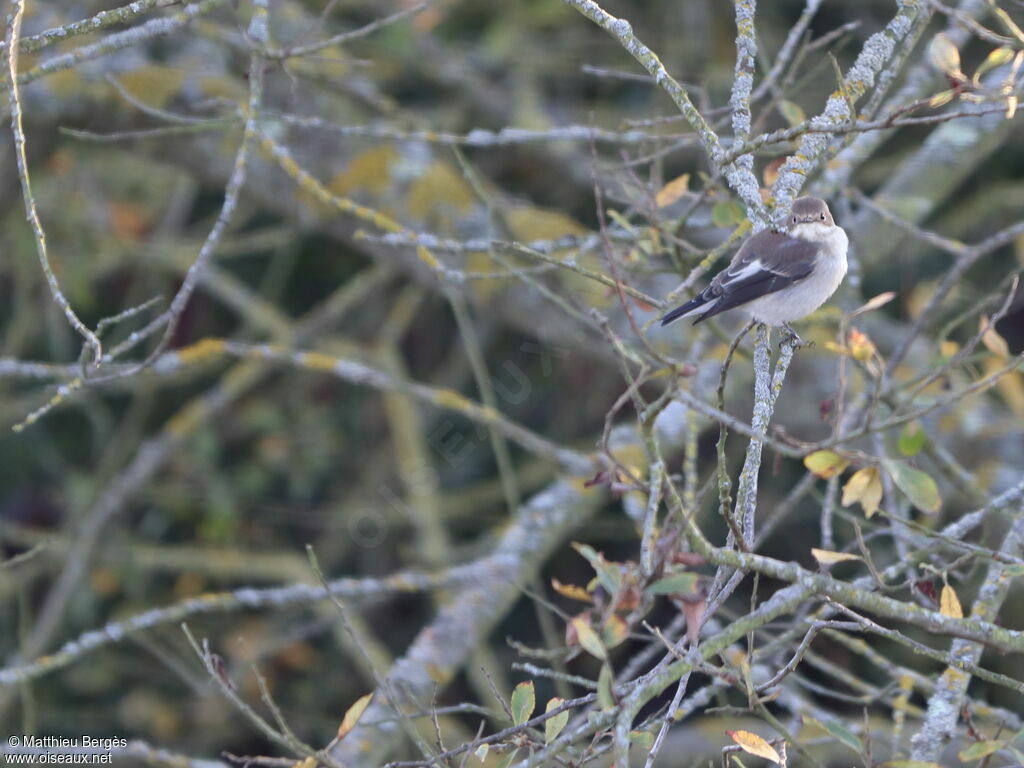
{"points": [[947, 700], [861, 76]]}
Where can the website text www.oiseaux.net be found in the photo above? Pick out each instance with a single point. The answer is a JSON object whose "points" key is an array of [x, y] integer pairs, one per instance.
{"points": [[59, 750]]}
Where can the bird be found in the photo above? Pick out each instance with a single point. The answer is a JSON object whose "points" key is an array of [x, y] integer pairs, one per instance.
{"points": [[778, 277]]}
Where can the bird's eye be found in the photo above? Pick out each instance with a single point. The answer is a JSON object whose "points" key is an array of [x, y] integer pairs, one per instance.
{"points": [[794, 219], [823, 217]]}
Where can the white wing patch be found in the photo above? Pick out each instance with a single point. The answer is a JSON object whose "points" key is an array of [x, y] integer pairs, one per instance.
{"points": [[748, 270]]}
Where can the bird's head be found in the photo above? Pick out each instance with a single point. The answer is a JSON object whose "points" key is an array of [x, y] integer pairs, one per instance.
{"points": [[810, 210]]}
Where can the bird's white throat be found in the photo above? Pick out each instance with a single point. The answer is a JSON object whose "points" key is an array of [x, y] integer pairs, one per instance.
{"points": [[815, 232], [832, 239]]}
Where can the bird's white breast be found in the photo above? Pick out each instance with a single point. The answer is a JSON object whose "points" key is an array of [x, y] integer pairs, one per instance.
{"points": [[802, 298]]}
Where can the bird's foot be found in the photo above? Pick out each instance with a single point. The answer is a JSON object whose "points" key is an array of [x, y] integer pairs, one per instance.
{"points": [[794, 338]]}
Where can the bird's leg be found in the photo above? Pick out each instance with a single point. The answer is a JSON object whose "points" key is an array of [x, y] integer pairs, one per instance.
{"points": [[794, 338]]}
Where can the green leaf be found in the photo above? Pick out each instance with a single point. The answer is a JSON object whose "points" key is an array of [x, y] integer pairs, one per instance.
{"points": [[917, 485], [554, 725], [605, 697], [825, 464], [980, 749], [680, 582], [608, 574], [793, 114], [508, 759], [912, 439], [643, 739], [727, 213], [523, 702], [844, 736]]}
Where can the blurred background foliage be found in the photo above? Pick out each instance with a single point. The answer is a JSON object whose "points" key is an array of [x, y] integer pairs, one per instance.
{"points": [[377, 483]]}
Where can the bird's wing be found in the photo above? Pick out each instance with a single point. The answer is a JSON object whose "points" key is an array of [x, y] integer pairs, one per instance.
{"points": [[767, 262]]}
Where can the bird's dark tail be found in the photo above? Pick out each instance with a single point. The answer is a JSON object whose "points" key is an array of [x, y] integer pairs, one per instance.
{"points": [[693, 305]]}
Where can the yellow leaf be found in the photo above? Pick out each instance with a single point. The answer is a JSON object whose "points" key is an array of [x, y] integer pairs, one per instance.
{"points": [[440, 187], [529, 223], [874, 303], [352, 715], [948, 348], [128, 221], [153, 84], [828, 557], [990, 337], [104, 581], [944, 55], [917, 298], [614, 631], [861, 347], [571, 591], [831, 346], [941, 99], [734, 657], [588, 637], [672, 191], [66, 83], [825, 464], [792, 113], [753, 744], [369, 170], [1010, 386], [865, 486], [554, 724], [949, 603], [439, 674], [771, 171], [1010, 24], [221, 87], [996, 58]]}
